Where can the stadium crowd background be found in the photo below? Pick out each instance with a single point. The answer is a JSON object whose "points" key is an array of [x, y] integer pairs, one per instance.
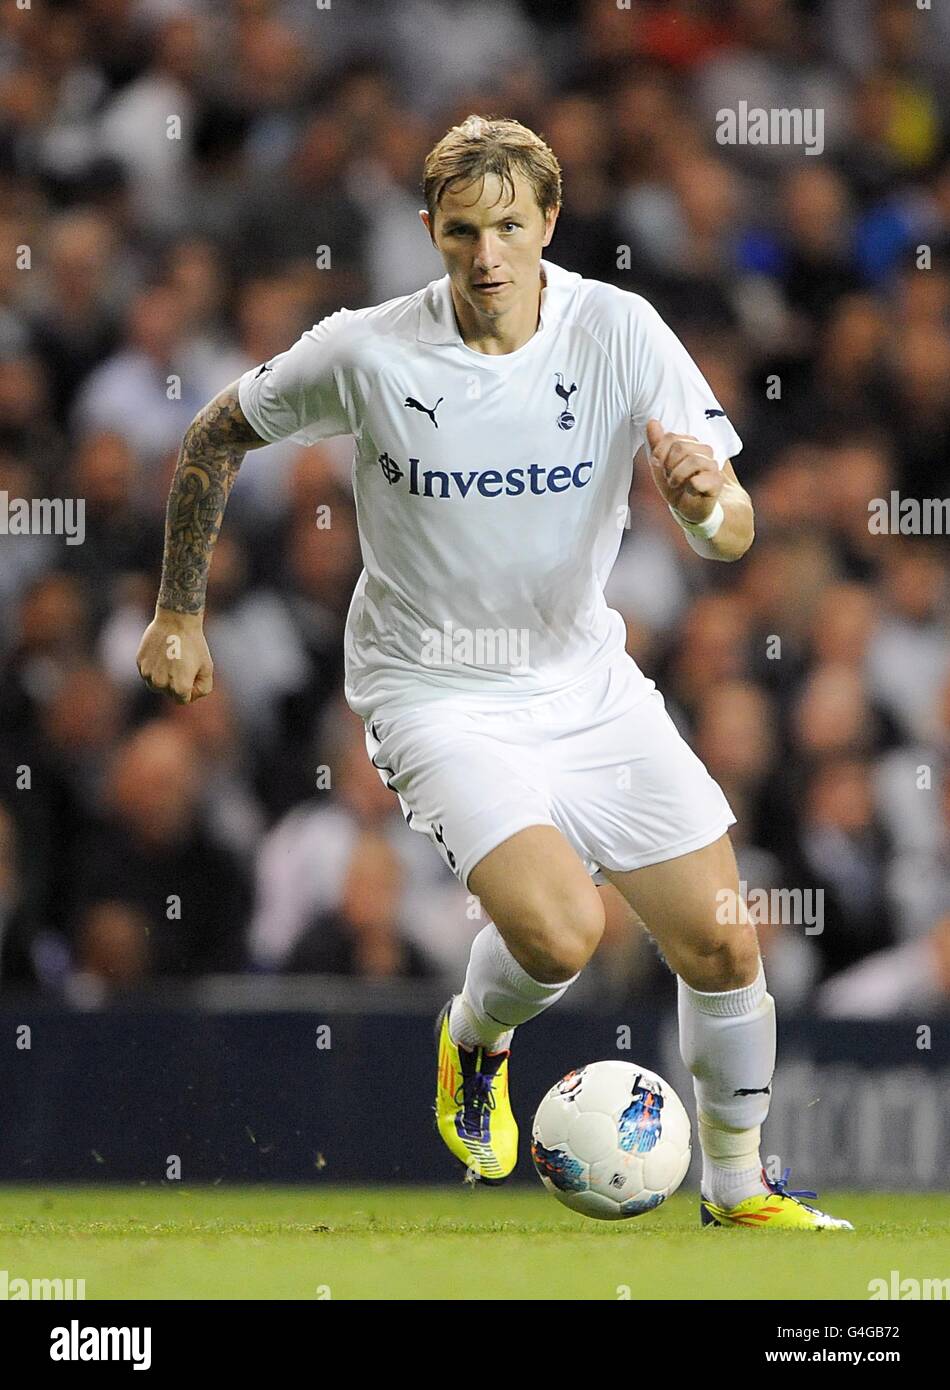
{"points": [[192, 259]]}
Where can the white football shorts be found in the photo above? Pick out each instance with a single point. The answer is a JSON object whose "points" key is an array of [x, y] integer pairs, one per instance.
{"points": [[603, 762]]}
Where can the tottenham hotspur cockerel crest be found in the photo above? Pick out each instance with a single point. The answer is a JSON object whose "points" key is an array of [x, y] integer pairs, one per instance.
{"points": [[565, 421]]}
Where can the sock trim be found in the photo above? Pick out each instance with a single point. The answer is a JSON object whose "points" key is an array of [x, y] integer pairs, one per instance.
{"points": [[519, 977], [499, 1041], [730, 1003]]}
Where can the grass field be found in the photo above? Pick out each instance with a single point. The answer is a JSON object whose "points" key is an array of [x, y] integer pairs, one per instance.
{"points": [[446, 1243]]}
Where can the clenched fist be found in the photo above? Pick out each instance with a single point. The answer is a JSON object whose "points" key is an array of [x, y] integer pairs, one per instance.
{"points": [[173, 656], [685, 472]]}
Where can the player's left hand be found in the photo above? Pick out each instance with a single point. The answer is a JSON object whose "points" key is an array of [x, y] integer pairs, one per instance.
{"points": [[685, 471]]}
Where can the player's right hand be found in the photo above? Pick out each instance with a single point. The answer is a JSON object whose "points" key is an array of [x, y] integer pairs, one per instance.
{"points": [[173, 657]]}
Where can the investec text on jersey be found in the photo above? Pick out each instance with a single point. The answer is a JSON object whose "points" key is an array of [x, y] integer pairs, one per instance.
{"points": [[541, 479]]}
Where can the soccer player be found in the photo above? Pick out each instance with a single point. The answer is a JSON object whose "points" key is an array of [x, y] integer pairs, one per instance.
{"points": [[497, 414]]}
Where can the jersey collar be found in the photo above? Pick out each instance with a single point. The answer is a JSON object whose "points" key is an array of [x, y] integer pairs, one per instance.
{"points": [[437, 312]]}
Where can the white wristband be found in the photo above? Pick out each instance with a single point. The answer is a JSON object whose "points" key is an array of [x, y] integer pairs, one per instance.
{"points": [[706, 529]]}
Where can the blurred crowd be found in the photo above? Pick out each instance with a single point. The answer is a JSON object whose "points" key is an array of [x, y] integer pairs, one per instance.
{"points": [[189, 184]]}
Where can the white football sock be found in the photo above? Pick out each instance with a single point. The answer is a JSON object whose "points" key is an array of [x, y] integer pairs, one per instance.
{"points": [[727, 1040], [497, 995]]}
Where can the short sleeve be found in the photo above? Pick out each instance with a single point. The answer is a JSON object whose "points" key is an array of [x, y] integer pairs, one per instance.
{"points": [[668, 386], [301, 394]]}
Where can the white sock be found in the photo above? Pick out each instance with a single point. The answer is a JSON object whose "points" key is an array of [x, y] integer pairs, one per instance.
{"points": [[497, 995], [727, 1040]]}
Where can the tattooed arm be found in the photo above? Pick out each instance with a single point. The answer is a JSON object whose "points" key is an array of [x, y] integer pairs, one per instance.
{"points": [[173, 656], [211, 454]]}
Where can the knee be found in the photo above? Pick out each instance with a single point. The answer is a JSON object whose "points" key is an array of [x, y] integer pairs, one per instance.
{"points": [[556, 939], [722, 959]]}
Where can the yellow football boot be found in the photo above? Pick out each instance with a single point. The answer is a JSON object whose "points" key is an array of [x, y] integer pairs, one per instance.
{"points": [[472, 1109], [777, 1209]]}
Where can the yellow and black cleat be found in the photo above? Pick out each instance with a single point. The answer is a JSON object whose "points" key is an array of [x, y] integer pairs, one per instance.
{"points": [[472, 1108]]}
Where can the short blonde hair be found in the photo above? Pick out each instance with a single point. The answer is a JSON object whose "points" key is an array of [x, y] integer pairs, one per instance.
{"points": [[488, 145]]}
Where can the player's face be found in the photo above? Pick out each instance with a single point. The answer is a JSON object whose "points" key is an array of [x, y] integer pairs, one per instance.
{"points": [[490, 245]]}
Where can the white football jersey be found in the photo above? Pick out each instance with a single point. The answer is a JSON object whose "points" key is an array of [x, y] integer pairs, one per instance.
{"points": [[491, 491]]}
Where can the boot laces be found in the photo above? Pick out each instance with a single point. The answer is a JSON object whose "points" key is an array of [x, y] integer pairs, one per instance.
{"points": [[781, 1188]]}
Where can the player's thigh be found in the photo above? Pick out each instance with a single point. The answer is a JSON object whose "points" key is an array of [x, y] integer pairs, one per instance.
{"points": [[692, 907], [628, 791], [538, 893]]}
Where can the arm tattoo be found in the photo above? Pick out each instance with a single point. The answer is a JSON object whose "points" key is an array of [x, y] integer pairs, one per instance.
{"points": [[211, 454]]}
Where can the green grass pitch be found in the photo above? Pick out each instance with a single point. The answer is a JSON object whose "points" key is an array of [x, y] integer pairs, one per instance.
{"points": [[217, 1242]]}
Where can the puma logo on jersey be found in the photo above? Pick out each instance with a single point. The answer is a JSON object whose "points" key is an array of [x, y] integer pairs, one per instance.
{"points": [[711, 414], [413, 404]]}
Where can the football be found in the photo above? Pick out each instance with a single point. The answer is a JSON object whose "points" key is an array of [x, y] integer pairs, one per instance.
{"points": [[611, 1140]]}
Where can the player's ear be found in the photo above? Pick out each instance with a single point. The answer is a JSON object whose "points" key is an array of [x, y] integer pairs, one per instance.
{"points": [[549, 224], [426, 222]]}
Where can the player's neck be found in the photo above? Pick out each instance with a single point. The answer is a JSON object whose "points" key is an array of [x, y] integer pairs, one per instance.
{"points": [[503, 333]]}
